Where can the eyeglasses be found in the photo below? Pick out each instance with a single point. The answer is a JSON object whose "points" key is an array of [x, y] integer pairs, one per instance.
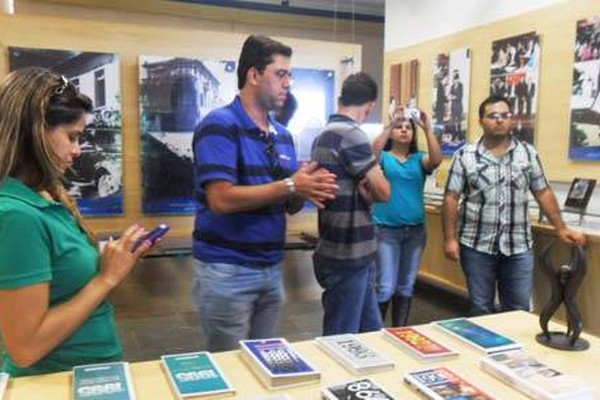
{"points": [[282, 74], [497, 115], [276, 170]]}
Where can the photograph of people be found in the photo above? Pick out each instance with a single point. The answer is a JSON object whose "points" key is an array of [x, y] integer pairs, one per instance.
{"points": [[400, 221], [53, 279]]}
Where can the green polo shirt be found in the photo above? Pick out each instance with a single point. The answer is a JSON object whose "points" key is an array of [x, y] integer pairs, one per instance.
{"points": [[40, 241]]}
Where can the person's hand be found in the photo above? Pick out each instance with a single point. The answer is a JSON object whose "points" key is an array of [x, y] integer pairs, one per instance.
{"points": [[315, 184], [118, 258], [572, 237], [452, 249], [424, 122]]}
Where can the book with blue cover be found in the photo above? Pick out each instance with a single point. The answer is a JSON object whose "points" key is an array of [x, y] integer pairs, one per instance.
{"points": [[276, 363], [195, 375], [108, 381], [483, 339]]}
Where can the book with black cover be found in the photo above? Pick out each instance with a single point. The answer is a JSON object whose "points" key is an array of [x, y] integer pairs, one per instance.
{"points": [[361, 389]]}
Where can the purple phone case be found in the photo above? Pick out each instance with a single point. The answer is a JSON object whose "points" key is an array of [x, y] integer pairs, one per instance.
{"points": [[152, 236]]}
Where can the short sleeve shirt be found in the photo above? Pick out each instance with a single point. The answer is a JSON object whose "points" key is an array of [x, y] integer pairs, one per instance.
{"points": [[229, 146], [494, 213], [346, 233], [40, 241]]}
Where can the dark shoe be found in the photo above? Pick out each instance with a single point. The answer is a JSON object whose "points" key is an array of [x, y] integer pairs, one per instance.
{"points": [[383, 310], [400, 310]]}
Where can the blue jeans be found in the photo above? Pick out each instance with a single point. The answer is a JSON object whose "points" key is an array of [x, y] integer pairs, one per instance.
{"points": [[348, 299], [237, 302], [399, 253], [513, 275]]}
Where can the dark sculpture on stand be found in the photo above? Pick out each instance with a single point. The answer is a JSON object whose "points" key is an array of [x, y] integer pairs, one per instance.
{"points": [[565, 282]]}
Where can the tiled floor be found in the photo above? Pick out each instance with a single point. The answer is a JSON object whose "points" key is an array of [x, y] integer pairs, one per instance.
{"points": [[155, 316]]}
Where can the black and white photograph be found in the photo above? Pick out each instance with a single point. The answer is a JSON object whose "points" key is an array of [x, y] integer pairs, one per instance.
{"points": [[515, 74], [176, 93], [584, 143], [580, 193], [452, 81], [95, 178]]}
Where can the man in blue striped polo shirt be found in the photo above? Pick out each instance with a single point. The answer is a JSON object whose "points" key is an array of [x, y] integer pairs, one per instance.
{"points": [[494, 176], [246, 179], [344, 259]]}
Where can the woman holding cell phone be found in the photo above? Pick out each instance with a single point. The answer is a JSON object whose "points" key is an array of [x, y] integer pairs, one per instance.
{"points": [[400, 221], [53, 280]]}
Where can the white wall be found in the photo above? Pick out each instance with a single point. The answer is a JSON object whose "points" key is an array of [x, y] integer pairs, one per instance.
{"points": [[408, 22]]}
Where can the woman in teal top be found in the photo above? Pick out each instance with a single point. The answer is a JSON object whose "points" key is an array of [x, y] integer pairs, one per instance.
{"points": [[401, 220], [53, 281]]}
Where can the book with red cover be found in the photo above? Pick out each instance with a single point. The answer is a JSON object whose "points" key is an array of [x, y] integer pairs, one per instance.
{"points": [[418, 344]]}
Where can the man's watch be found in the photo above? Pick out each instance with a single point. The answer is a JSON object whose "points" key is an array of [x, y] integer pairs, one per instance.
{"points": [[291, 186]]}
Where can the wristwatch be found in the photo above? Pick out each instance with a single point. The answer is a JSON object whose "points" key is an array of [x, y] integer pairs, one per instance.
{"points": [[291, 186]]}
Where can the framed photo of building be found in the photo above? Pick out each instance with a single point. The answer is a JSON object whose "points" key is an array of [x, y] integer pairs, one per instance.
{"points": [[515, 75], [176, 93], [95, 178], [584, 141], [452, 81]]}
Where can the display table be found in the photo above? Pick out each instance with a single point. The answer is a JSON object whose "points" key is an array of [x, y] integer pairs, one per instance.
{"points": [[151, 383]]}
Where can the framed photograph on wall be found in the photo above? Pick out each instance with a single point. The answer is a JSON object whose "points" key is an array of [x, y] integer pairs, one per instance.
{"points": [[404, 85], [450, 110], [514, 74], [580, 193], [95, 178], [584, 141], [176, 93]]}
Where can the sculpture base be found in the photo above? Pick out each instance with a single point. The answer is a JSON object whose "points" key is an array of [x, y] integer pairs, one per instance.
{"points": [[560, 341]]}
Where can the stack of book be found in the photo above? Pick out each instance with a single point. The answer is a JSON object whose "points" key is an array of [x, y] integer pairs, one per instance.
{"points": [[356, 390], [443, 384], [195, 375], [110, 381], [483, 339], [277, 364], [417, 344], [353, 354], [534, 378]]}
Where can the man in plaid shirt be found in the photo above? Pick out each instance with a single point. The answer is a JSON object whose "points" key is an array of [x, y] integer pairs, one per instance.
{"points": [[493, 238]]}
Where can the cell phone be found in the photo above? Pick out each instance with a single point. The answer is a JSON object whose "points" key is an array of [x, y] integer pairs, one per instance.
{"points": [[152, 236], [412, 113]]}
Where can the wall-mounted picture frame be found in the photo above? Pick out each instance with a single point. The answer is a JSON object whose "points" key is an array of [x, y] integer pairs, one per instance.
{"points": [[95, 178], [579, 194]]}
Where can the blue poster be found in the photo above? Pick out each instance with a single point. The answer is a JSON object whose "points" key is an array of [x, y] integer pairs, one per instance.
{"points": [[95, 178]]}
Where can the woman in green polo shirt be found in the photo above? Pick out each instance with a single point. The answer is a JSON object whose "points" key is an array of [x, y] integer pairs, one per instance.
{"points": [[53, 280]]}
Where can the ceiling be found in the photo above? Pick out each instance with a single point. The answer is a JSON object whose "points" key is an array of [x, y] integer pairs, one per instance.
{"points": [[361, 10]]}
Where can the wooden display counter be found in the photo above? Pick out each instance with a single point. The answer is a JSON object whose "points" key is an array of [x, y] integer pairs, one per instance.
{"points": [[438, 270], [151, 383]]}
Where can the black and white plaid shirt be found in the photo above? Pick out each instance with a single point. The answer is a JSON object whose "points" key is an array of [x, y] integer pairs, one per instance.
{"points": [[494, 213]]}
